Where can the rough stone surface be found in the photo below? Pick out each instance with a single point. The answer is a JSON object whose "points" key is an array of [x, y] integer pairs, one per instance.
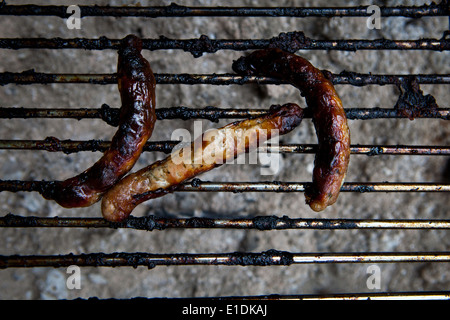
{"points": [[201, 281]]}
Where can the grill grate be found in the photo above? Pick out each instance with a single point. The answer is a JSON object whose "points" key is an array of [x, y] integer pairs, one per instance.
{"points": [[291, 41]]}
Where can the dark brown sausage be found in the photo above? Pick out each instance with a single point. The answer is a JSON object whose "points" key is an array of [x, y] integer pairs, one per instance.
{"points": [[136, 121], [210, 150], [333, 154]]}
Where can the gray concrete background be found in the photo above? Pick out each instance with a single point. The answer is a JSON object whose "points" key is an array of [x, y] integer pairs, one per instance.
{"points": [[200, 281]]}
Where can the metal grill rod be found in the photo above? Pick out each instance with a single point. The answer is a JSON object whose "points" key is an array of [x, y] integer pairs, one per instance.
{"points": [[293, 42], [111, 115], [267, 258], [276, 186], [175, 10], [356, 79], [427, 295], [53, 144], [150, 223], [196, 185]]}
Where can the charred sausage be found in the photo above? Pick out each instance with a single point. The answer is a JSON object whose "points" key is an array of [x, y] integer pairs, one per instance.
{"points": [[137, 117], [210, 150], [329, 118]]}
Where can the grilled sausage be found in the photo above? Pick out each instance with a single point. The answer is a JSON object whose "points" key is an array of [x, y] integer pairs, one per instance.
{"points": [[137, 117], [333, 154], [210, 150]]}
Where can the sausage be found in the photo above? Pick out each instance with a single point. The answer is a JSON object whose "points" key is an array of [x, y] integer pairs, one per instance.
{"points": [[137, 117], [210, 150], [330, 122]]}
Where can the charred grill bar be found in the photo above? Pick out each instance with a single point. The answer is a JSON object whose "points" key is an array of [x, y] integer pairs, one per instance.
{"points": [[175, 10], [196, 185], [111, 115], [53, 144], [150, 223], [291, 41], [267, 258], [206, 45], [350, 78]]}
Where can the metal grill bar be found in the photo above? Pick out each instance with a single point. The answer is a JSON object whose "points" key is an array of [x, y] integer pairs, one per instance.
{"points": [[196, 185], [276, 186], [175, 10], [427, 295], [267, 258], [111, 115], [356, 79], [53, 144], [206, 45], [150, 223]]}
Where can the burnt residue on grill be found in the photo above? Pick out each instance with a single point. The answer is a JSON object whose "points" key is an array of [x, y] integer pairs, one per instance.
{"points": [[196, 183], [59, 43], [359, 79], [110, 115], [204, 44], [413, 103], [375, 151], [364, 188], [53, 144], [116, 259], [266, 258], [208, 113], [109, 260], [29, 186], [271, 222], [14, 220], [26, 77], [290, 41], [265, 223], [150, 223], [31, 76]]}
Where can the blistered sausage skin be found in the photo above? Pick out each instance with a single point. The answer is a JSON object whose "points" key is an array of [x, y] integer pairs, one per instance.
{"points": [[137, 117], [210, 150], [333, 154]]}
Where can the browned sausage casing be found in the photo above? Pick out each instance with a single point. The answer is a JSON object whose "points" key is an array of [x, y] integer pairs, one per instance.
{"points": [[136, 121], [333, 154], [210, 150]]}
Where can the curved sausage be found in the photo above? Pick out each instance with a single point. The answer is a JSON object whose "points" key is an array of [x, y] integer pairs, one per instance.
{"points": [[136, 121], [333, 154], [210, 150]]}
